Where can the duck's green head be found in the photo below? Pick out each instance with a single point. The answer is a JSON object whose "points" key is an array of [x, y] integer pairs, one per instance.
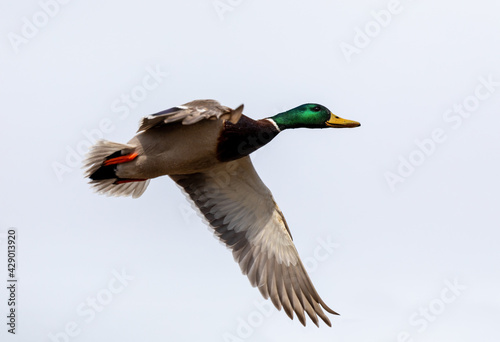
{"points": [[311, 115]]}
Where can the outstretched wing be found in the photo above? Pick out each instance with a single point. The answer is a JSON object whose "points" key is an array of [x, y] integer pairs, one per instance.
{"points": [[244, 215], [191, 113]]}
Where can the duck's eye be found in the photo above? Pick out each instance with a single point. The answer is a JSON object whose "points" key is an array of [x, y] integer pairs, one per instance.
{"points": [[316, 109]]}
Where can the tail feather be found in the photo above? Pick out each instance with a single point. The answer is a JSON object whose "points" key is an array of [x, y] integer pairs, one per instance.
{"points": [[110, 188], [103, 177]]}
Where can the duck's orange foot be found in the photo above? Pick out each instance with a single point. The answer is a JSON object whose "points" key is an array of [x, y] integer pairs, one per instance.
{"points": [[121, 159]]}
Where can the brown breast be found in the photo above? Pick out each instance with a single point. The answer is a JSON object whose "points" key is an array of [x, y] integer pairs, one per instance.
{"points": [[241, 139]]}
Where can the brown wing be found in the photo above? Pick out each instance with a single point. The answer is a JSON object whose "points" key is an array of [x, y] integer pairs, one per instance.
{"points": [[244, 215], [191, 113]]}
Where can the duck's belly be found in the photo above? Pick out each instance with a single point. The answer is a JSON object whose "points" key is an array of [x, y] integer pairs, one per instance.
{"points": [[173, 149]]}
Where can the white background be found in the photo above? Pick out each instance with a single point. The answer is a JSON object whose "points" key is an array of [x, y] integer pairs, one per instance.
{"points": [[395, 247]]}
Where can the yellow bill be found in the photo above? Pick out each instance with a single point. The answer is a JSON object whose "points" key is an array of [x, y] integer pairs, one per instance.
{"points": [[337, 122]]}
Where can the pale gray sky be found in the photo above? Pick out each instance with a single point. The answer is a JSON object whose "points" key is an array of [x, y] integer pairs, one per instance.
{"points": [[396, 220]]}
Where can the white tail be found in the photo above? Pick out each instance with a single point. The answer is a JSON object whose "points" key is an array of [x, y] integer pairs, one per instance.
{"points": [[103, 177]]}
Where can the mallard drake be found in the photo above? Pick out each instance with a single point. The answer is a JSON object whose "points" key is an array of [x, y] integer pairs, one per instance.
{"points": [[204, 147]]}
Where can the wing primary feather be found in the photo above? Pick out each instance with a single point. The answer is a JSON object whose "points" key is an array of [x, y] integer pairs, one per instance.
{"points": [[246, 259], [261, 271], [292, 296], [309, 310], [253, 273], [295, 282], [273, 284], [280, 281], [313, 291]]}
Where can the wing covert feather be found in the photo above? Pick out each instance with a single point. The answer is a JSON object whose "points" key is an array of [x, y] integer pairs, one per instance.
{"points": [[191, 113]]}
